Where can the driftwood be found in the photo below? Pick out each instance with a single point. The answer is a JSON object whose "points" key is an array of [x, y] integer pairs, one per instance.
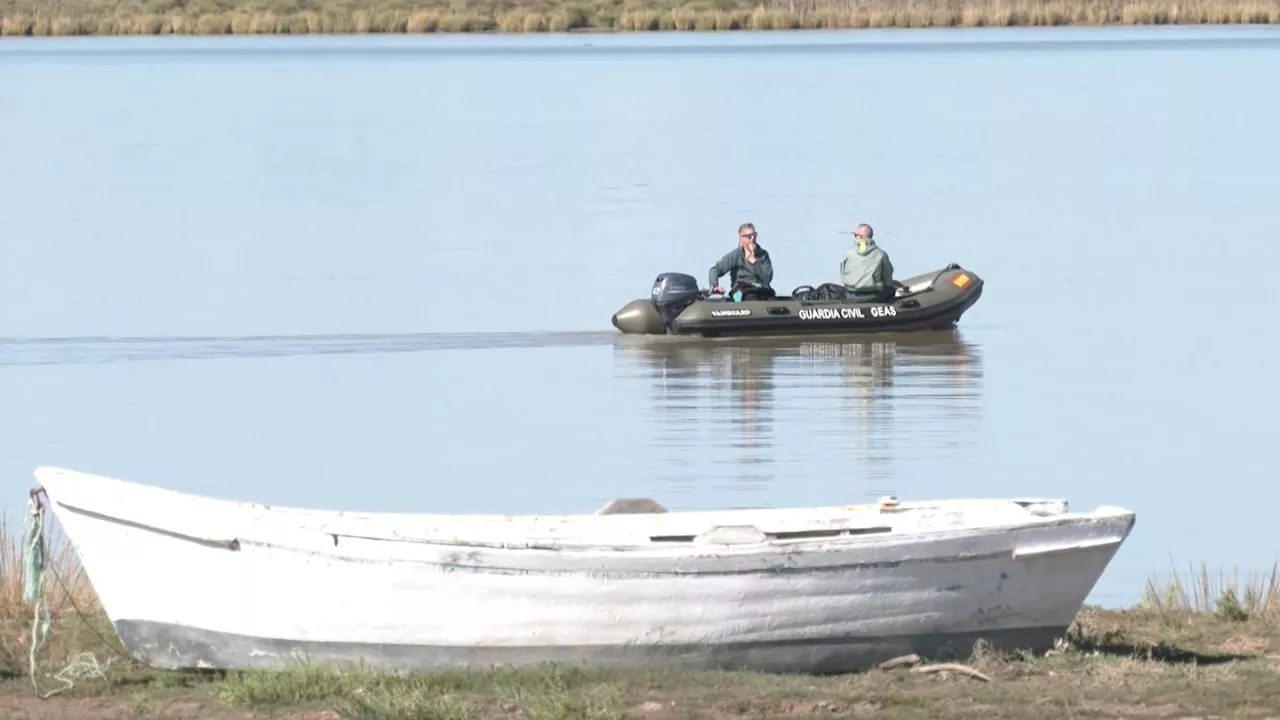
{"points": [[899, 662], [955, 668], [943, 667]]}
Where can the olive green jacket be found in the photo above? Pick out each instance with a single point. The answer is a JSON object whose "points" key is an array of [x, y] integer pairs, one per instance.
{"points": [[735, 264], [865, 268]]}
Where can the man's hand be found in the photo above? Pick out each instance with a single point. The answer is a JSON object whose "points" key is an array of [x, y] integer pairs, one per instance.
{"points": [[717, 290]]}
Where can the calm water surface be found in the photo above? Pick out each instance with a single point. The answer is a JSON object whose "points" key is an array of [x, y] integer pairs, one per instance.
{"points": [[378, 272]]}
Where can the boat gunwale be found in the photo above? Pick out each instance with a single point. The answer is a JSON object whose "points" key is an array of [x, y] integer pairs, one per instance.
{"points": [[328, 544], [774, 559], [925, 289], [899, 507], [912, 319], [294, 522]]}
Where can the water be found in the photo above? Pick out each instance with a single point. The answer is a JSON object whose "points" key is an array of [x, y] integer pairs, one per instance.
{"points": [[377, 273]]}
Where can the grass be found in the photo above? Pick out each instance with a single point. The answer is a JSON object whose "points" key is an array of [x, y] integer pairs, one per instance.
{"points": [[1195, 645], [253, 17]]}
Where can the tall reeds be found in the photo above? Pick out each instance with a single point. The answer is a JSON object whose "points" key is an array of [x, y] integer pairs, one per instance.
{"points": [[1256, 598], [294, 17], [66, 586]]}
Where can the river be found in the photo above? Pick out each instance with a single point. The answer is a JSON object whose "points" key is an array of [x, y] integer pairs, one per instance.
{"points": [[378, 272]]}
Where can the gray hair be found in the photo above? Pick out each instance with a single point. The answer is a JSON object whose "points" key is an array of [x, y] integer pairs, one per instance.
{"points": [[865, 227]]}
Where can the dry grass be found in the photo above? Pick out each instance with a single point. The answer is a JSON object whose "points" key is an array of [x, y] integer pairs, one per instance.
{"points": [[67, 598], [66, 587], [249, 17], [1197, 644], [1257, 597]]}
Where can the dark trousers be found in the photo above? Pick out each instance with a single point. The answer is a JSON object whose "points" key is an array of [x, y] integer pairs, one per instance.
{"points": [[758, 293], [884, 295]]}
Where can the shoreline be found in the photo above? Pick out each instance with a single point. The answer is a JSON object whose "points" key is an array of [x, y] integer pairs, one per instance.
{"points": [[1199, 643], [1126, 663], [26, 18]]}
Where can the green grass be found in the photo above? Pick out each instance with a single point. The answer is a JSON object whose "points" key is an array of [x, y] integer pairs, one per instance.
{"points": [[540, 693], [248, 17]]}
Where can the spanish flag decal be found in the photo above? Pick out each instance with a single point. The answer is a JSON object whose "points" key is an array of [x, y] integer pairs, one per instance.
{"points": [[961, 280]]}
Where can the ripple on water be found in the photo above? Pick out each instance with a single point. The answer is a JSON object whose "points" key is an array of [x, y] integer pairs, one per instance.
{"points": [[62, 351]]}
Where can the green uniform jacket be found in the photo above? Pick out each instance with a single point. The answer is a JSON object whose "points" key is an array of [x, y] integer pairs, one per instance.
{"points": [[735, 264], [866, 269]]}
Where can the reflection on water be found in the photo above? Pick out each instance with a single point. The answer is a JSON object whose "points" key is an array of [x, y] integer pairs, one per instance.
{"points": [[807, 406], [782, 421]]}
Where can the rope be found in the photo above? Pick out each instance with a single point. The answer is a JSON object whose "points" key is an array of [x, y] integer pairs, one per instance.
{"points": [[33, 556], [35, 561], [85, 665]]}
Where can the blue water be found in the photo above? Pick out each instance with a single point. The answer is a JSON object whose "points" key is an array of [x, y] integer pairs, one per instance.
{"points": [[377, 272]]}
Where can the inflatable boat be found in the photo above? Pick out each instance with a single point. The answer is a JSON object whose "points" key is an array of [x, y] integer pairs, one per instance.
{"points": [[677, 306]]}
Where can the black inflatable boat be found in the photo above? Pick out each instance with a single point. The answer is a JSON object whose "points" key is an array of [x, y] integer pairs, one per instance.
{"points": [[677, 306]]}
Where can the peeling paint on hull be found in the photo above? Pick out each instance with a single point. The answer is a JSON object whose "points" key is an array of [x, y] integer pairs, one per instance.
{"points": [[173, 646], [199, 582]]}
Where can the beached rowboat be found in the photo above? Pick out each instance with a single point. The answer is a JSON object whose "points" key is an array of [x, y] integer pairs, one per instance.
{"points": [[192, 581]]}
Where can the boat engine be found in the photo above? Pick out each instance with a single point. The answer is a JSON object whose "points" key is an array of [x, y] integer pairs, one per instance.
{"points": [[672, 293]]}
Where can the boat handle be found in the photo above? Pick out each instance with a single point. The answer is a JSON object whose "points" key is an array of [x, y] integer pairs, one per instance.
{"points": [[778, 311]]}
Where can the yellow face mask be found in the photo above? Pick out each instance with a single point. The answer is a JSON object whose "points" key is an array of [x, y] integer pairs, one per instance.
{"points": [[862, 245]]}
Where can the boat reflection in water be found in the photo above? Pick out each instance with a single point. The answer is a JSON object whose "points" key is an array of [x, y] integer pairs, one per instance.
{"points": [[831, 407]]}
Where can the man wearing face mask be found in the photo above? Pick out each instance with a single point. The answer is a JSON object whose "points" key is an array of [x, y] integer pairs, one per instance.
{"points": [[866, 270], [747, 264]]}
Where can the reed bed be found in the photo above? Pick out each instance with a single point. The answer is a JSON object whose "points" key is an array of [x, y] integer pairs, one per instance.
{"points": [[66, 590], [305, 17], [1257, 597]]}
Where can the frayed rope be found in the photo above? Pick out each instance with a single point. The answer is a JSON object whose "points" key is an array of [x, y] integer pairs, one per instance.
{"points": [[34, 559]]}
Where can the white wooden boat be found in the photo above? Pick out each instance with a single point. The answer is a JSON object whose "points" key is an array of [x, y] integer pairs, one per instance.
{"points": [[192, 581]]}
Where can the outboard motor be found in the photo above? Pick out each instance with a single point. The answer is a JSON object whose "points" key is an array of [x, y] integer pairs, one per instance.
{"points": [[672, 293]]}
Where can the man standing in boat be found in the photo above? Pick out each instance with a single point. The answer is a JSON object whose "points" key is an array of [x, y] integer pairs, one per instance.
{"points": [[866, 270], [748, 264]]}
